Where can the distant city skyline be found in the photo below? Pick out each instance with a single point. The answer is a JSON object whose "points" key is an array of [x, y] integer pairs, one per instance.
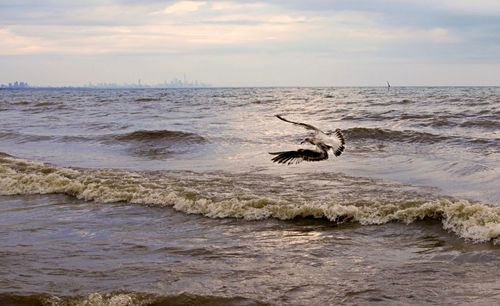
{"points": [[15, 84], [178, 83], [252, 43], [174, 83]]}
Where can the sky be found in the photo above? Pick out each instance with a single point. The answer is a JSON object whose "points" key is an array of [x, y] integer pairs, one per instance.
{"points": [[251, 43]]}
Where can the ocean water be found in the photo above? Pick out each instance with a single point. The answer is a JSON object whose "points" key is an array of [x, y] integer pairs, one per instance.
{"points": [[169, 197]]}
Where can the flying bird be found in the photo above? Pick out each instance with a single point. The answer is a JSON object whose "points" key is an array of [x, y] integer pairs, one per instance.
{"points": [[324, 142]]}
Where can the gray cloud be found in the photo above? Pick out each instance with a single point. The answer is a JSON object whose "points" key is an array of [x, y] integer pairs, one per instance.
{"points": [[383, 33]]}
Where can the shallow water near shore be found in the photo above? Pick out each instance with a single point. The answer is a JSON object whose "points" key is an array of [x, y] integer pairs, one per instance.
{"points": [[116, 197]]}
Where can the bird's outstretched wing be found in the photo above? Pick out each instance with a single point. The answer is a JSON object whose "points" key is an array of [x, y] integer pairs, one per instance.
{"points": [[336, 142], [295, 157], [305, 125]]}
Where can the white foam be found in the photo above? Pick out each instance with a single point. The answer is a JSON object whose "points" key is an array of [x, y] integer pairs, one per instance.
{"points": [[474, 221], [98, 299]]}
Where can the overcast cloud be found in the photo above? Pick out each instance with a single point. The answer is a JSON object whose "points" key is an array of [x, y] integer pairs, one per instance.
{"points": [[249, 43]]}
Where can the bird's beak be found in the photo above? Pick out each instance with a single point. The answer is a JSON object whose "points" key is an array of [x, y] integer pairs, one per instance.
{"points": [[303, 142]]}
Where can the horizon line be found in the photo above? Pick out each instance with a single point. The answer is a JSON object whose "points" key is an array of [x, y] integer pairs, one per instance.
{"points": [[2, 86]]}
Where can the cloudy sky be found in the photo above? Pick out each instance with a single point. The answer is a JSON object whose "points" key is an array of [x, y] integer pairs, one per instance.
{"points": [[251, 43]]}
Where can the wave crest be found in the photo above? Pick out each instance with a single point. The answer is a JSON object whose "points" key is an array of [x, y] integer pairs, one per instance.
{"points": [[157, 144], [122, 299], [159, 135], [474, 221]]}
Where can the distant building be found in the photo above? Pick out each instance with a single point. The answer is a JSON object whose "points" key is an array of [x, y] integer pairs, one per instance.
{"points": [[15, 85], [174, 83]]}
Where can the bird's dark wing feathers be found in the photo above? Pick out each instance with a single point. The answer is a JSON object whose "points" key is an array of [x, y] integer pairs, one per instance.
{"points": [[341, 148], [307, 126], [295, 157]]}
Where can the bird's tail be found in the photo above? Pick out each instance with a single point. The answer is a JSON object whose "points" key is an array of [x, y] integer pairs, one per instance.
{"points": [[337, 133], [340, 136]]}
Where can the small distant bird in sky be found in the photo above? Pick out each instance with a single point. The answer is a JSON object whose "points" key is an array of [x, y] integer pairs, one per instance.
{"points": [[324, 142]]}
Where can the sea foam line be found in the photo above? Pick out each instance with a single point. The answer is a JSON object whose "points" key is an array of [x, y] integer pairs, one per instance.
{"points": [[473, 221]]}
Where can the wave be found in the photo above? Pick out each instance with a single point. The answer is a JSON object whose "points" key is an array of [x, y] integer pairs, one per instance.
{"points": [[438, 122], [409, 136], [156, 144], [147, 99], [38, 107], [404, 101], [361, 133], [264, 101], [47, 103], [390, 102], [159, 135], [122, 298], [2, 154], [221, 198], [25, 138], [151, 137], [153, 145], [482, 123]]}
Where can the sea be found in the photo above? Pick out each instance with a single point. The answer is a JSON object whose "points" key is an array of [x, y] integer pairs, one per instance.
{"points": [[169, 197]]}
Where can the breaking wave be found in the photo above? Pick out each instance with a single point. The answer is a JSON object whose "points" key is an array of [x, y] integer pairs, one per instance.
{"points": [[222, 197], [122, 299]]}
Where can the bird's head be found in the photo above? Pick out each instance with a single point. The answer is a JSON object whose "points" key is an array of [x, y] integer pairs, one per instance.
{"points": [[307, 140]]}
